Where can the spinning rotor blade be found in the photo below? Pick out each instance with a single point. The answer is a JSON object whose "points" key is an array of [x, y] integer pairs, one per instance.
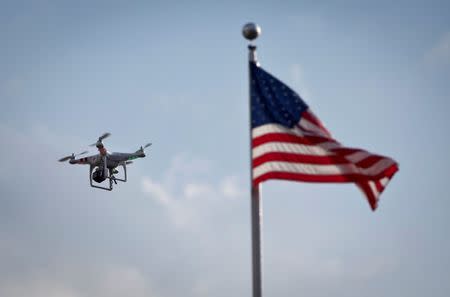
{"points": [[63, 159], [105, 135], [145, 146]]}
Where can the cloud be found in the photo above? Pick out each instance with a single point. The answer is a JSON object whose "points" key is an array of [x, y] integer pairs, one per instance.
{"points": [[156, 190], [439, 54], [183, 166], [299, 84], [123, 281], [188, 194], [198, 190], [230, 187]]}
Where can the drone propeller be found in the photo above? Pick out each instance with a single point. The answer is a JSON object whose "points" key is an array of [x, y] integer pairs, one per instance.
{"points": [[105, 135], [64, 159], [145, 146], [71, 157]]}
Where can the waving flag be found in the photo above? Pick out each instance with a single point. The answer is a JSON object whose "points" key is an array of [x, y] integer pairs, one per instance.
{"points": [[289, 142]]}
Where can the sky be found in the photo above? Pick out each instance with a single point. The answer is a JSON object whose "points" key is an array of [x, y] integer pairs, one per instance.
{"points": [[174, 73]]}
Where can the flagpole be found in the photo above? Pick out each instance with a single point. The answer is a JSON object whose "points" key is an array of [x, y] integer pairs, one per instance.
{"points": [[251, 31]]}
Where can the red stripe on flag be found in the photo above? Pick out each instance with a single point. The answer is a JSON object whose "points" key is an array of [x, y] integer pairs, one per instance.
{"points": [[369, 161], [299, 158], [337, 178], [379, 186], [370, 196], [290, 138], [345, 151]]}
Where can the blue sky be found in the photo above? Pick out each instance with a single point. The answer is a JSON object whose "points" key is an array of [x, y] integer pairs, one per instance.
{"points": [[175, 74]]}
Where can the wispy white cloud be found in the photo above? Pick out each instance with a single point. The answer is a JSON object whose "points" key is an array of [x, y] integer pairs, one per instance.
{"points": [[123, 281], [184, 168], [439, 54], [231, 187], [198, 190], [186, 192], [298, 79], [156, 190]]}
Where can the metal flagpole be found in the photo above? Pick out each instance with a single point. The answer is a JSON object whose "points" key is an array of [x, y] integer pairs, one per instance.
{"points": [[251, 31]]}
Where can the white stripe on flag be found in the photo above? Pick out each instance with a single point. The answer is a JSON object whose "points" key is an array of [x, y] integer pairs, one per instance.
{"points": [[307, 125], [384, 181], [274, 128], [374, 189], [358, 156], [294, 148]]}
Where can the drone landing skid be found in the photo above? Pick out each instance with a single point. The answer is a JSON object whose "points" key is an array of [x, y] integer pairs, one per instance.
{"points": [[111, 178], [124, 179]]}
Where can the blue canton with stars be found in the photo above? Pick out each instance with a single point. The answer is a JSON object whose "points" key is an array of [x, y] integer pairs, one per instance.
{"points": [[272, 101]]}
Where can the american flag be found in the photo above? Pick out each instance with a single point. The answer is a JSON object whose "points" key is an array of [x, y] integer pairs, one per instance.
{"points": [[289, 142]]}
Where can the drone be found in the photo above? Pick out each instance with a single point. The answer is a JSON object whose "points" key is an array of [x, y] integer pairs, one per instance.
{"points": [[103, 166]]}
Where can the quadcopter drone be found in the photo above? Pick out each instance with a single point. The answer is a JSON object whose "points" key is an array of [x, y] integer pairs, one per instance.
{"points": [[103, 165]]}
